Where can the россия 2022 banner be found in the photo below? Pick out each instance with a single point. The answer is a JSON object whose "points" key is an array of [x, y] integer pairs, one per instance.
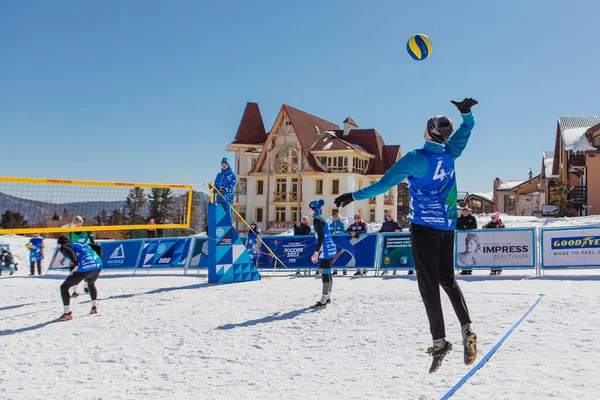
{"points": [[296, 251], [495, 248], [570, 247]]}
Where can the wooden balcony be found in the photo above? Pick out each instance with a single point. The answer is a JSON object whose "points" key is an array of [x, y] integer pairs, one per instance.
{"points": [[577, 195], [286, 197], [388, 200], [280, 225], [286, 168]]}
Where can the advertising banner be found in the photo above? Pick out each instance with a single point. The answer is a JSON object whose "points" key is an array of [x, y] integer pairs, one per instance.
{"points": [[396, 252], [570, 247], [165, 253], [495, 248], [296, 251]]}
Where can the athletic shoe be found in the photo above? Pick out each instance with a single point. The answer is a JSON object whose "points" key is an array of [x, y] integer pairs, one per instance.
{"points": [[438, 354], [94, 310], [65, 317], [319, 305], [470, 345], [358, 273]]}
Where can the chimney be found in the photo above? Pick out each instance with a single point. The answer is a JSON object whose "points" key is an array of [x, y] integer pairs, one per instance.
{"points": [[349, 124]]}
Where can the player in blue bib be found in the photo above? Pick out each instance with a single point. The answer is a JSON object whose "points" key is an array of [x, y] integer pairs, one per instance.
{"points": [[432, 187], [36, 253], [324, 253], [86, 264]]}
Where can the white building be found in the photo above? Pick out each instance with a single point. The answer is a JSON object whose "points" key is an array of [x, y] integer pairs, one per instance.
{"points": [[304, 158]]}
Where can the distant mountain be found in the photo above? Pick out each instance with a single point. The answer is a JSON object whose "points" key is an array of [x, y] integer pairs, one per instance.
{"points": [[38, 211]]}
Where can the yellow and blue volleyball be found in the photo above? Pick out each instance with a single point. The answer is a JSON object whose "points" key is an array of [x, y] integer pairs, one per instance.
{"points": [[419, 47]]}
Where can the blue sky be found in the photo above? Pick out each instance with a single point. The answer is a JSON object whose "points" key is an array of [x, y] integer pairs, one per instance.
{"points": [[120, 90]]}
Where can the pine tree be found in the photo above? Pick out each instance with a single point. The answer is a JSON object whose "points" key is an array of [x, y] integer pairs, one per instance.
{"points": [[561, 192], [102, 217], [134, 206], [13, 220], [160, 204], [116, 218]]}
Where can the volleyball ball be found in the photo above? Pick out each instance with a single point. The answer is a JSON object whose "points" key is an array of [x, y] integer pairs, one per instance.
{"points": [[419, 47]]}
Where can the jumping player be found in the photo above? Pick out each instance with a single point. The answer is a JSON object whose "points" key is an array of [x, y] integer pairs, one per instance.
{"points": [[324, 252], [432, 186]]}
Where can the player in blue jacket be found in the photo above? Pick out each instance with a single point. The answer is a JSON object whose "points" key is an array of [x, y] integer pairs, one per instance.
{"points": [[252, 244], [432, 187], [324, 252], [225, 184], [36, 253], [86, 264]]}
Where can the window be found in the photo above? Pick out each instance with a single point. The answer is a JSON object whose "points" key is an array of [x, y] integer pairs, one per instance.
{"points": [[279, 214], [260, 188], [509, 201], [258, 214], [319, 186], [281, 185], [335, 211], [242, 185], [596, 142], [334, 164], [335, 186], [294, 213], [359, 166], [372, 215], [242, 211]]}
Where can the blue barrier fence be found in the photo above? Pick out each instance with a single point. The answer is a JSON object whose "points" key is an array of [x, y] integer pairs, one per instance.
{"points": [[560, 248]]}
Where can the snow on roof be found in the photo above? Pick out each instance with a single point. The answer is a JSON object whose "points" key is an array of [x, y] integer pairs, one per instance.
{"points": [[548, 159], [575, 140], [509, 185], [487, 195]]}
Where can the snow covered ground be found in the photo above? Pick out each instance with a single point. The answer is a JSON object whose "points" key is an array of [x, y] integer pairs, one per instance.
{"points": [[171, 336]]}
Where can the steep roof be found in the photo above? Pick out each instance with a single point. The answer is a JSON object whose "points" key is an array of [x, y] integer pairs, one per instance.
{"points": [[573, 132], [391, 153], [304, 125], [330, 142], [509, 185], [252, 128], [489, 196], [372, 142]]}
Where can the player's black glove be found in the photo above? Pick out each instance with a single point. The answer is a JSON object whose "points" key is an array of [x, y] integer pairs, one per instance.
{"points": [[464, 106], [344, 199]]}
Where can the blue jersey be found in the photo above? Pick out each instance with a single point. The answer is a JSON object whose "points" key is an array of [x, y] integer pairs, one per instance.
{"points": [[328, 248], [337, 226], [431, 178], [87, 259], [36, 249], [433, 195], [251, 244]]}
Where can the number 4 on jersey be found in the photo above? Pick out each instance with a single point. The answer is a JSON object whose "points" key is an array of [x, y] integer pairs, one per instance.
{"points": [[439, 172]]}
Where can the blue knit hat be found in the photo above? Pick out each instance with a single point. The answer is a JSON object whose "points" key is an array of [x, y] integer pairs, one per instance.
{"points": [[316, 205], [224, 160]]}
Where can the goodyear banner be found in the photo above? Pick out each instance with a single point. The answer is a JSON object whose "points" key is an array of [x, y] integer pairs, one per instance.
{"points": [[165, 253], [570, 247], [122, 254], [296, 251], [396, 252], [495, 248], [199, 254]]}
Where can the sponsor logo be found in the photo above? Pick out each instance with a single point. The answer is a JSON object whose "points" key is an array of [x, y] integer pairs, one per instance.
{"points": [[117, 256], [579, 242], [505, 249], [433, 219], [220, 232]]}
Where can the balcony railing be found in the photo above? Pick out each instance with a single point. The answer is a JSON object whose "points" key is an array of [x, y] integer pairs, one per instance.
{"points": [[282, 168], [577, 195], [284, 197], [282, 225]]}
